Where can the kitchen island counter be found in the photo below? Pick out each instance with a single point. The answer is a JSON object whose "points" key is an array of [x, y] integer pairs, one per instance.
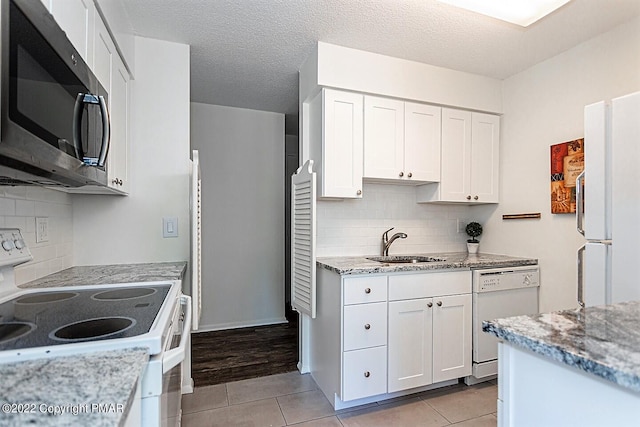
{"points": [[603, 341], [447, 260], [93, 389], [581, 366], [109, 274]]}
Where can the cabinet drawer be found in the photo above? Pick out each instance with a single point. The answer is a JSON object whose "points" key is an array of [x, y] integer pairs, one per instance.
{"points": [[426, 285], [364, 373], [358, 290], [365, 325]]}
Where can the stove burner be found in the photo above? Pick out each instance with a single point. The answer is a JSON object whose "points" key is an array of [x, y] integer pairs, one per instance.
{"points": [[13, 330], [125, 293], [92, 329], [40, 298]]}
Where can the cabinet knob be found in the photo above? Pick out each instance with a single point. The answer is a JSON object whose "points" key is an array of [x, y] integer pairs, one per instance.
{"points": [[401, 174], [468, 197], [367, 291], [475, 198], [367, 326], [439, 303], [74, 60], [409, 174], [367, 374], [430, 304], [359, 192]]}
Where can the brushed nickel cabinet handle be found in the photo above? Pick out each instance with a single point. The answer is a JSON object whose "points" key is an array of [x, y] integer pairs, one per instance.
{"points": [[475, 198], [468, 197], [367, 291], [359, 192], [439, 303], [367, 326], [430, 305], [409, 174], [367, 374], [401, 174]]}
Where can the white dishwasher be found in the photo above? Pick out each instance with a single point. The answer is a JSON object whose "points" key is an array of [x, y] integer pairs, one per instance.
{"points": [[498, 293]]}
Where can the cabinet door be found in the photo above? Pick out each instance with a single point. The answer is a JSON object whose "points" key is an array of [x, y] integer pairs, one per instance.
{"points": [[422, 130], [75, 17], [383, 138], [485, 145], [119, 149], [103, 53], [410, 344], [342, 144], [451, 337], [456, 155]]}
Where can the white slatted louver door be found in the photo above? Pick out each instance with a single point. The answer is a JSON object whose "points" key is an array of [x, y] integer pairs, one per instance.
{"points": [[303, 240]]}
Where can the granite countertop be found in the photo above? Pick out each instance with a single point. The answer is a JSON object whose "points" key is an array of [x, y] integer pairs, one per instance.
{"points": [[451, 260], [111, 274], [47, 392], [603, 341]]}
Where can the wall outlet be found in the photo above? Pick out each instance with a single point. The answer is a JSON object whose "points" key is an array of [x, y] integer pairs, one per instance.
{"points": [[462, 225], [42, 229], [170, 227]]}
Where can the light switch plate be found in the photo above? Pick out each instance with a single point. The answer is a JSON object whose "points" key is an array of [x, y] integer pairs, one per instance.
{"points": [[170, 227], [42, 229]]}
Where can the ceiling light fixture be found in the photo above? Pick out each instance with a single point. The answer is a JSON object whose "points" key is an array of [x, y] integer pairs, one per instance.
{"points": [[520, 12]]}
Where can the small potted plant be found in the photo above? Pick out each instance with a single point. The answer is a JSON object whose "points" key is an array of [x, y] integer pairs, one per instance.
{"points": [[474, 230]]}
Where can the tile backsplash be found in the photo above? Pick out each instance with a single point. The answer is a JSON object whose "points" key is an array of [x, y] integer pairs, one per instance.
{"points": [[19, 207], [355, 226]]}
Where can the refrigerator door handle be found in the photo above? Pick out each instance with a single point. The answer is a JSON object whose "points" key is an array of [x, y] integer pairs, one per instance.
{"points": [[581, 276], [580, 203]]}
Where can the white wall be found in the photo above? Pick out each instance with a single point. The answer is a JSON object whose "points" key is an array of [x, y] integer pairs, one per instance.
{"points": [[355, 226], [544, 106], [116, 229], [19, 207], [242, 162]]}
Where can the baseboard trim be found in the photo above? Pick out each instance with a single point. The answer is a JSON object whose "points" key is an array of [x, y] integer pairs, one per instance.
{"points": [[238, 325]]}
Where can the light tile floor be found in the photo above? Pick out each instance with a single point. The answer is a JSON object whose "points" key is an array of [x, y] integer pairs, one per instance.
{"points": [[294, 399]]}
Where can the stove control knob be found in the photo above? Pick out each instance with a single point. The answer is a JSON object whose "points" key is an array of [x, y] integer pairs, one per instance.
{"points": [[7, 245], [19, 243]]}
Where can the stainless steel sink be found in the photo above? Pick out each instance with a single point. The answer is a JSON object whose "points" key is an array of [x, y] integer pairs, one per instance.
{"points": [[404, 259]]}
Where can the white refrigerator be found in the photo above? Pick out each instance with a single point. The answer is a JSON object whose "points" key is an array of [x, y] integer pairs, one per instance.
{"points": [[608, 203]]}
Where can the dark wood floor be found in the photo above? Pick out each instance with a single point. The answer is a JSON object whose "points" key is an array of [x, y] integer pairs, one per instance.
{"points": [[237, 354]]}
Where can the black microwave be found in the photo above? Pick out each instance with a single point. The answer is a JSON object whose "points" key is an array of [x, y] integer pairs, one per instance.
{"points": [[55, 121]]}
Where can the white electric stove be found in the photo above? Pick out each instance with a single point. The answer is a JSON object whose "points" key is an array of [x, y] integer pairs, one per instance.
{"points": [[68, 320]]}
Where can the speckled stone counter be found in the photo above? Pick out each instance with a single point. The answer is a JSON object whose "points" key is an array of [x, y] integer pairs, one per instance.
{"points": [[109, 274], [64, 391], [450, 260], [603, 341]]}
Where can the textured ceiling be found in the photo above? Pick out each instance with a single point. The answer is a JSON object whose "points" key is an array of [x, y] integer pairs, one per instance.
{"points": [[246, 53]]}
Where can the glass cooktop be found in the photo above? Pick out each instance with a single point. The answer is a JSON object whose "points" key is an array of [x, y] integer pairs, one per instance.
{"points": [[79, 315]]}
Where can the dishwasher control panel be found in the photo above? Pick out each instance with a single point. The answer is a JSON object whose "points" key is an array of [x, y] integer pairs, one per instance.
{"points": [[499, 279]]}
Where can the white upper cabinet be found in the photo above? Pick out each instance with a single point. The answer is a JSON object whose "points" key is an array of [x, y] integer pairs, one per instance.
{"points": [[118, 165], [75, 17], [422, 133], [401, 140], [469, 159], [336, 138], [383, 138], [485, 144]]}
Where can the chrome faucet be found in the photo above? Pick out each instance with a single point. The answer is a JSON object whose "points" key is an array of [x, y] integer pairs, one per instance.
{"points": [[386, 241]]}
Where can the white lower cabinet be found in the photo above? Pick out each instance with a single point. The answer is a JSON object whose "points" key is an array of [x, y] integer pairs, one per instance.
{"points": [[451, 337], [410, 348], [378, 336], [429, 341]]}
